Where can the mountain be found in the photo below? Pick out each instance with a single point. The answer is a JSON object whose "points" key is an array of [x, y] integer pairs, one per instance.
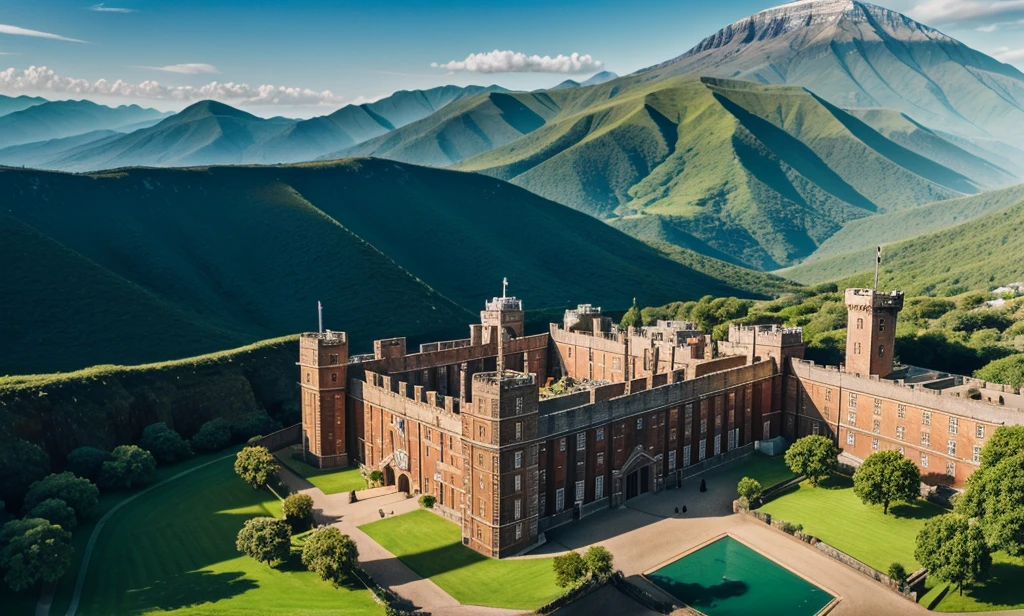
{"points": [[847, 252], [856, 54], [40, 154], [58, 119], [9, 104], [601, 77], [147, 264]]}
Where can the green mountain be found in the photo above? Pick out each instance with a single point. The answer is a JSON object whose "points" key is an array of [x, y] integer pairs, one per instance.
{"points": [[55, 120], [10, 104], [39, 153], [150, 264], [980, 254]]}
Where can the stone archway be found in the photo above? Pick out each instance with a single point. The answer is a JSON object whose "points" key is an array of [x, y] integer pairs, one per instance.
{"points": [[389, 476], [403, 483]]}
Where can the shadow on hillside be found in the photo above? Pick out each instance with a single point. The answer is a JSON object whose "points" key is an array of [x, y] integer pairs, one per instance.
{"points": [[190, 589]]}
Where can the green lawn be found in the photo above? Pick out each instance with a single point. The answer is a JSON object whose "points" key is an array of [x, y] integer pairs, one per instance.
{"points": [[835, 515], [330, 481], [432, 547], [768, 470], [172, 550], [1000, 591]]}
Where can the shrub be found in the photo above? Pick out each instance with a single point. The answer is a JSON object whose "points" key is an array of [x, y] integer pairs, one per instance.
{"points": [[80, 494], [427, 501], [897, 573], [330, 554], [790, 528], [87, 462], [213, 435], [376, 477], [569, 569], [55, 511], [21, 464], [165, 444], [598, 561], [748, 488], [255, 441], [253, 424], [34, 551], [267, 540], [298, 511], [130, 467], [256, 465]]}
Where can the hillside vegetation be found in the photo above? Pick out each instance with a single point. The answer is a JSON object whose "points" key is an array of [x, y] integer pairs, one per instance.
{"points": [[144, 265]]}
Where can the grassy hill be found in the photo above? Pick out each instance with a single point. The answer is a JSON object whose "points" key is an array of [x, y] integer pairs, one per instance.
{"points": [[144, 265], [978, 255]]}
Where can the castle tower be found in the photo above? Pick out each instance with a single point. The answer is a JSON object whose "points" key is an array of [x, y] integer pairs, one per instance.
{"points": [[499, 431], [871, 330], [503, 311], [323, 373]]}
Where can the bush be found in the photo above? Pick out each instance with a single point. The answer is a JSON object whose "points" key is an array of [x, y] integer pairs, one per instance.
{"points": [[165, 444], [256, 466], [598, 561], [298, 511], [330, 554], [898, 574], [253, 424], [130, 467], [34, 551], [214, 435], [750, 489], [427, 501], [87, 462], [21, 464], [569, 569], [792, 529], [55, 511], [267, 540], [376, 477], [80, 494]]}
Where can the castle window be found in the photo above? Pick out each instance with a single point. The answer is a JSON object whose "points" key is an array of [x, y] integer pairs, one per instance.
{"points": [[979, 431], [519, 459], [519, 430], [954, 424], [951, 447], [671, 460], [334, 359], [639, 423], [766, 429], [334, 377], [851, 439], [878, 406], [718, 444], [561, 444], [703, 427], [828, 412], [559, 499], [519, 532], [307, 377], [851, 418], [519, 482], [482, 431], [519, 405], [828, 394], [479, 534], [860, 323], [901, 432], [570, 352], [518, 508], [599, 486], [672, 434], [579, 491], [426, 435], [581, 441], [856, 348], [976, 456], [702, 450], [480, 459], [924, 460], [616, 363], [600, 458], [881, 350], [901, 411], [881, 325], [951, 469], [926, 418], [876, 426], [686, 455], [874, 444], [600, 435], [853, 400], [926, 439], [483, 507], [480, 476]]}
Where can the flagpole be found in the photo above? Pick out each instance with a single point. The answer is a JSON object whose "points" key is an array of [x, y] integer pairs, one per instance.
{"points": [[320, 315], [878, 261]]}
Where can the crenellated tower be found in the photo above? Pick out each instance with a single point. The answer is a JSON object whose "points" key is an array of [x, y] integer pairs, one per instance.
{"points": [[871, 330], [323, 373]]}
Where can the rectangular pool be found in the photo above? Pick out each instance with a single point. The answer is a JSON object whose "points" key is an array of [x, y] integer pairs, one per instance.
{"points": [[726, 578]]}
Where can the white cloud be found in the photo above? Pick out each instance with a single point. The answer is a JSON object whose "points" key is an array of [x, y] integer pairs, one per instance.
{"points": [[102, 8], [988, 28], [43, 79], [185, 69], [15, 30], [1005, 54], [515, 62], [938, 12]]}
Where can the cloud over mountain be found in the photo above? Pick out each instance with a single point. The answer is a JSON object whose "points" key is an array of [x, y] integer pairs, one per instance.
{"points": [[941, 12], [509, 61]]}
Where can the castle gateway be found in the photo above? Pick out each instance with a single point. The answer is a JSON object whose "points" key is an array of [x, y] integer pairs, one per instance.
{"points": [[474, 423]]}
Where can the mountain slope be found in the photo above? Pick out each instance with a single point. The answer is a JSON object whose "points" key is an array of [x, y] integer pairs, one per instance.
{"points": [[39, 154], [856, 54], [389, 249], [10, 104], [55, 120]]}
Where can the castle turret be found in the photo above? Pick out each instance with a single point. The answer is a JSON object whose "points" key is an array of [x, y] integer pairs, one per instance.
{"points": [[323, 373], [871, 330]]}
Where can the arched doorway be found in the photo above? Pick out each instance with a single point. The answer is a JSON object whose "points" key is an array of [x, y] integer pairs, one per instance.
{"points": [[403, 483], [389, 476]]}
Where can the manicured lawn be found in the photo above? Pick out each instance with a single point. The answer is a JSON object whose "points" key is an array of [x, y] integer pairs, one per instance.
{"points": [[432, 547], [330, 481], [768, 470], [835, 515], [1000, 591], [172, 550]]}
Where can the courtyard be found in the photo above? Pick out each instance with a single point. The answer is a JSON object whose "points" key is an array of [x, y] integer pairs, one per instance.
{"points": [[327, 480]]}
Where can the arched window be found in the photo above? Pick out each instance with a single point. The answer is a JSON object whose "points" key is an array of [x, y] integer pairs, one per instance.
{"points": [[860, 323], [881, 350], [856, 348]]}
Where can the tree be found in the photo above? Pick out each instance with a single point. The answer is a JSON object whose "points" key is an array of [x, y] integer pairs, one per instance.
{"points": [[633, 317], [569, 569], [749, 489], [953, 550], [994, 496], [34, 551], [165, 444], [813, 456], [21, 464], [886, 477], [3, 513], [213, 435], [898, 573], [330, 554], [298, 511], [267, 540], [80, 494], [55, 511], [598, 561], [1005, 442], [130, 466], [87, 462], [256, 465], [428, 501]]}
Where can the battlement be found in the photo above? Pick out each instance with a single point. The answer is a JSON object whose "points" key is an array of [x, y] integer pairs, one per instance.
{"points": [[869, 298], [507, 379], [775, 335], [504, 303], [327, 337]]}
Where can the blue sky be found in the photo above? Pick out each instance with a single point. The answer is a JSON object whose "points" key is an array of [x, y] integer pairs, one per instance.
{"points": [[329, 53]]}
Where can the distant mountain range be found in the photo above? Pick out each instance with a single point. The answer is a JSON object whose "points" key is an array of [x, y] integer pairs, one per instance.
{"points": [[601, 77], [10, 104], [59, 119]]}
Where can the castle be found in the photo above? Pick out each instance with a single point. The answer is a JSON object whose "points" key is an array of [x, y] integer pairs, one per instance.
{"points": [[474, 423]]}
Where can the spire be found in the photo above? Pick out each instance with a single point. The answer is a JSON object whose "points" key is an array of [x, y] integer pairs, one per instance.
{"points": [[504, 288]]}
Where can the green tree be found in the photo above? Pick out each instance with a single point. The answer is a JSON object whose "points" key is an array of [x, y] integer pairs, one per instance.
{"points": [[3, 513], [55, 511], [813, 456], [749, 489], [256, 465], [953, 550], [886, 477], [130, 466], [165, 444], [298, 511], [1008, 370], [34, 551], [598, 561], [87, 462], [569, 569], [80, 494], [633, 317], [898, 573], [267, 540], [427, 501], [994, 496], [214, 435], [330, 554], [21, 464]]}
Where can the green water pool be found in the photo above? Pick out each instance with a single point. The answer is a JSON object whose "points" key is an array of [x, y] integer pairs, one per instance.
{"points": [[726, 578]]}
